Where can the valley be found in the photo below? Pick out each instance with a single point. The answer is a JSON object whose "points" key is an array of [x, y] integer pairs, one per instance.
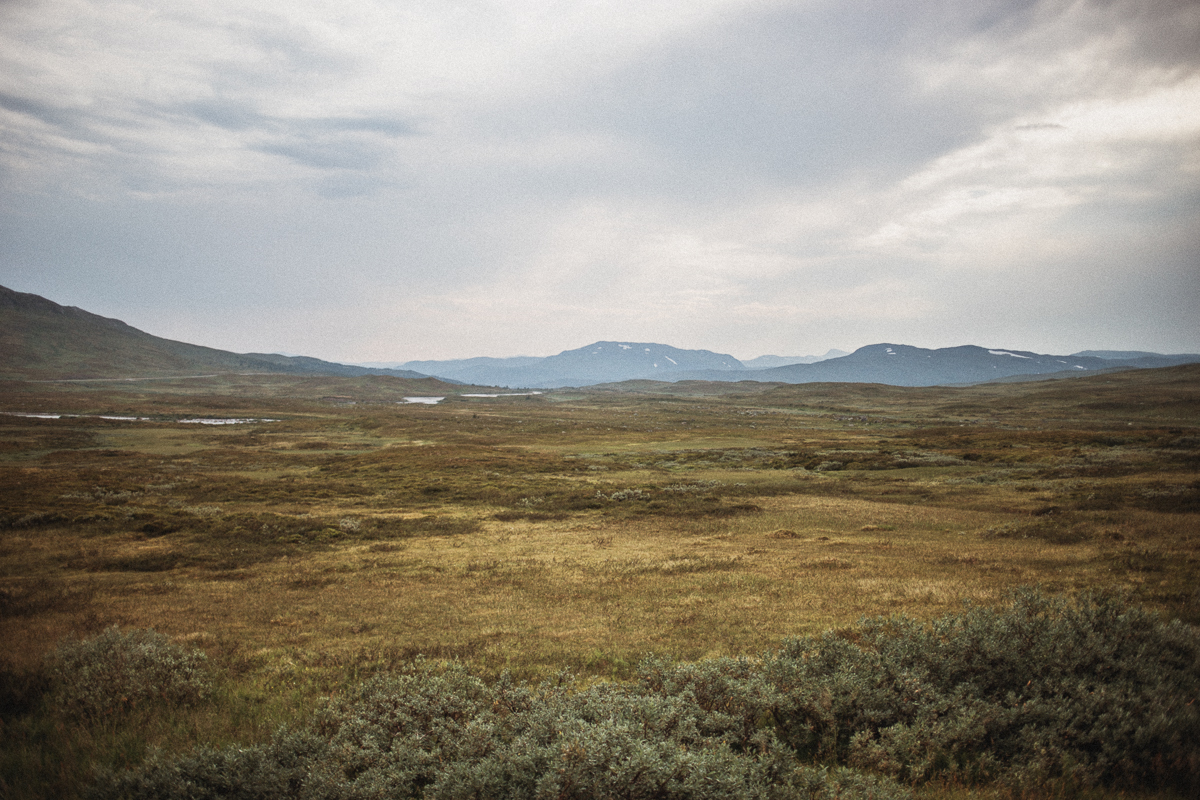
{"points": [[579, 530]]}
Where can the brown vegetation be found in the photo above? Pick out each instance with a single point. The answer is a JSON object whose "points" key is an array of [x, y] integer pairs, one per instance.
{"points": [[574, 530]]}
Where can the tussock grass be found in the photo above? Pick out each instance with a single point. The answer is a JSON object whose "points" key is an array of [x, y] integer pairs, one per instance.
{"points": [[579, 531]]}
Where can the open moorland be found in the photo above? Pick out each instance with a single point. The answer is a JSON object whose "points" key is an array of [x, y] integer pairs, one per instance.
{"points": [[337, 532]]}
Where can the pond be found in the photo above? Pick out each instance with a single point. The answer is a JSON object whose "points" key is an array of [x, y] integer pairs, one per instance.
{"points": [[192, 421], [435, 400]]}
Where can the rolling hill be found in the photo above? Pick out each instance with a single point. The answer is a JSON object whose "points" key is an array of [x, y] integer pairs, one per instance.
{"points": [[42, 340]]}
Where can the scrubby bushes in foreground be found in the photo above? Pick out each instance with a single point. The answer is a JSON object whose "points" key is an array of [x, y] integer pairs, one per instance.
{"points": [[115, 672], [1091, 692]]}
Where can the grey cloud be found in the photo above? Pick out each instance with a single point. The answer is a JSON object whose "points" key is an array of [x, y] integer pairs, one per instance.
{"points": [[326, 143], [388, 126], [277, 54], [227, 114], [234, 115], [346, 184], [73, 123], [289, 48], [792, 94], [1163, 32], [326, 155], [323, 143], [32, 108], [802, 94]]}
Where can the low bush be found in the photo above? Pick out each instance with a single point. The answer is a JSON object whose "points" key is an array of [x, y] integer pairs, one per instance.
{"points": [[1091, 692], [116, 671], [443, 733], [1094, 691]]}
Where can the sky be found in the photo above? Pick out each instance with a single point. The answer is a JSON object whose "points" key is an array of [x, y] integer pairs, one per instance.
{"points": [[387, 180]]}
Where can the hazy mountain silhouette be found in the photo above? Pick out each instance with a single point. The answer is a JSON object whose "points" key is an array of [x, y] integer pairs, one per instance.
{"points": [[769, 362], [600, 362], [40, 339], [904, 365], [462, 369]]}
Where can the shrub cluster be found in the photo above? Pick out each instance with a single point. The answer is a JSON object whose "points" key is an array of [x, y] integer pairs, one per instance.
{"points": [[445, 734], [1091, 692], [116, 671]]}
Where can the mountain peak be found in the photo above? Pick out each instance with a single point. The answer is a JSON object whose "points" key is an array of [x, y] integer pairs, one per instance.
{"points": [[40, 339]]}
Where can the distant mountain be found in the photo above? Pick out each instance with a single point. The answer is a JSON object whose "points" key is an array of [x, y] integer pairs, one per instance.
{"points": [[462, 369], [42, 340], [306, 365], [903, 365], [601, 362], [1118, 355], [768, 362]]}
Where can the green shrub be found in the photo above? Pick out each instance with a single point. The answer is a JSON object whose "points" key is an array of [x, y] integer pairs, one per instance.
{"points": [[116, 671], [443, 733], [279, 770], [1084, 693], [1094, 691]]}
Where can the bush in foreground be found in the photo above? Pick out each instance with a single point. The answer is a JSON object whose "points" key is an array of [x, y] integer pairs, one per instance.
{"points": [[115, 672], [1091, 692], [443, 733]]}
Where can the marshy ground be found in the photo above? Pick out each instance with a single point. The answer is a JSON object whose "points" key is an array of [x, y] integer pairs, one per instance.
{"points": [[578, 530]]}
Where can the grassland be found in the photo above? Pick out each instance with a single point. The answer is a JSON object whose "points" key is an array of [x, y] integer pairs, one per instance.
{"points": [[578, 530]]}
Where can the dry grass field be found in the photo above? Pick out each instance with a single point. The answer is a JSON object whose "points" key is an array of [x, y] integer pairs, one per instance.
{"points": [[577, 530]]}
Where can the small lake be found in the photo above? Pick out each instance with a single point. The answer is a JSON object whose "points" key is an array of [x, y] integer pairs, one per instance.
{"points": [[193, 421], [430, 401], [217, 421], [503, 394]]}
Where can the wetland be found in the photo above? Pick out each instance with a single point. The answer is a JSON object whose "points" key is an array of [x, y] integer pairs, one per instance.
{"points": [[338, 532]]}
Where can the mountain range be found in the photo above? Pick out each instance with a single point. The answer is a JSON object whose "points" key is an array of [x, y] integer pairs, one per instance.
{"points": [[894, 364], [597, 363], [904, 365], [600, 362], [42, 340]]}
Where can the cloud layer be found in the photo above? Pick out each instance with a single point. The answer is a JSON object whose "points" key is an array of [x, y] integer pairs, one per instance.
{"points": [[380, 181]]}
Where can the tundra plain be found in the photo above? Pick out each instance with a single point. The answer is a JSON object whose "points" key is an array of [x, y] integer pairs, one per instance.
{"points": [[578, 530]]}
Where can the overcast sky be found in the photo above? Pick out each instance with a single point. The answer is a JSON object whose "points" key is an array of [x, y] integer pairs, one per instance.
{"points": [[385, 180]]}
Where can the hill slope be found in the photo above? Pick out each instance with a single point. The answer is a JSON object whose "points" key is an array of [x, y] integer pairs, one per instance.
{"points": [[42, 340]]}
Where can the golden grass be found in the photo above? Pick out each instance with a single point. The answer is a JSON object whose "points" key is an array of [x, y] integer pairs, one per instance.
{"points": [[572, 531], [535, 597]]}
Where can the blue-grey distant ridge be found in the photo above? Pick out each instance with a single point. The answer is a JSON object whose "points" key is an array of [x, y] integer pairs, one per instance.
{"points": [[904, 365], [599, 362], [40, 339]]}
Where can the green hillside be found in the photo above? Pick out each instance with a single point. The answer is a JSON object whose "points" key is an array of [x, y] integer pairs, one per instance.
{"points": [[42, 340]]}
